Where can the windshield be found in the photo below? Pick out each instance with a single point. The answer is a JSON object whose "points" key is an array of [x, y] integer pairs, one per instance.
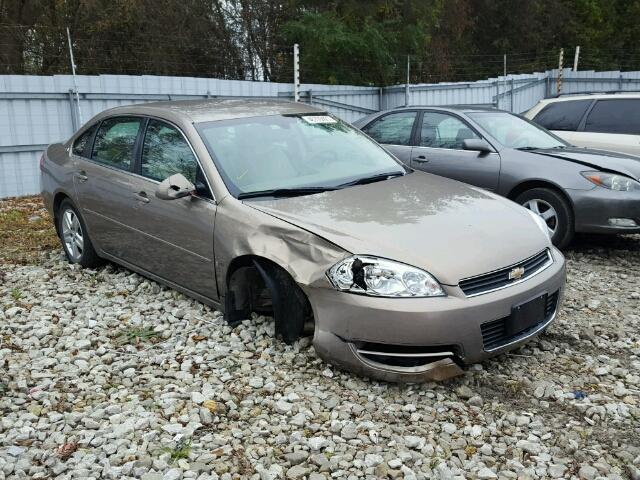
{"points": [[515, 132], [289, 152]]}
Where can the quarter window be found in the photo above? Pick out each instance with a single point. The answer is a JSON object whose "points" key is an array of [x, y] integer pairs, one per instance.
{"points": [[562, 115], [440, 130], [165, 152], [614, 116], [392, 129], [115, 142], [81, 143]]}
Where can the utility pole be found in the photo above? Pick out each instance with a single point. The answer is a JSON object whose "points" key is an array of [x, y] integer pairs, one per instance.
{"points": [[73, 71], [296, 73], [560, 72], [575, 59], [406, 90]]}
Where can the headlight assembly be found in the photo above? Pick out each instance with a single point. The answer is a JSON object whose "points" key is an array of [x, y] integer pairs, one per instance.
{"points": [[379, 277], [612, 181]]}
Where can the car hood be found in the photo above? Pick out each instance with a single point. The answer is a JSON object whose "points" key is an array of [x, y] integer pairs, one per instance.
{"points": [[448, 228], [596, 159]]}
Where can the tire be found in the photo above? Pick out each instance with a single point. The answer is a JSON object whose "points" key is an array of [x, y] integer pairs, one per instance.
{"points": [[554, 209], [74, 237]]}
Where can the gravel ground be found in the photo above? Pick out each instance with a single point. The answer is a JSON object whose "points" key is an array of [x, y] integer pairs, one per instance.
{"points": [[104, 374]]}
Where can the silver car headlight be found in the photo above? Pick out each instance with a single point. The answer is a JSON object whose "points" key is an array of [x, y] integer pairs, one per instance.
{"points": [[612, 181], [379, 277], [541, 223]]}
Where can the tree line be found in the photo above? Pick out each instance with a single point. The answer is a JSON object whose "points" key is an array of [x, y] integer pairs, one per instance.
{"points": [[360, 42]]}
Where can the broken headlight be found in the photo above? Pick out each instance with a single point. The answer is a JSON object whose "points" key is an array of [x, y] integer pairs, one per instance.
{"points": [[382, 278]]}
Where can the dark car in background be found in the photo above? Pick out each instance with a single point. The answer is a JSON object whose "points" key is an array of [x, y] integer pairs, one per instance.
{"points": [[573, 189]]}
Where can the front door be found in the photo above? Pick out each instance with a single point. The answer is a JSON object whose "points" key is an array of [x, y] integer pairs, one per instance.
{"points": [[441, 151], [394, 131], [103, 181], [175, 236]]}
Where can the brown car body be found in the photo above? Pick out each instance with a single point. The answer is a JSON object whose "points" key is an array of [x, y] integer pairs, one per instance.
{"points": [[195, 244]]}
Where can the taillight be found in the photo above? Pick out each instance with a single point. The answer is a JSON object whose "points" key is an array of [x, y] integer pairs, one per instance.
{"points": [[42, 162]]}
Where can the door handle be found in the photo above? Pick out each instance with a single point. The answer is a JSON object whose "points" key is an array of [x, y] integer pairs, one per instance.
{"points": [[81, 176], [421, 159], [142, 197]]}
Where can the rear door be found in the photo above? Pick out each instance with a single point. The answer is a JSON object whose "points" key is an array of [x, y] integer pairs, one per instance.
{"points": [[440, 151], [103, 180], [612, 124], [394, 131], [175, 237]]}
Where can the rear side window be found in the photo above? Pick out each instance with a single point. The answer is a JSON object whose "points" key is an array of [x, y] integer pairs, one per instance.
{"points": [[115, 142], [81, 145], [166, 152], [614, 116], [392, 129], [562, 115]]}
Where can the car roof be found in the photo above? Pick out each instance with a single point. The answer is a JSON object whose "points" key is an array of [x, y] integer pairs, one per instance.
{"points": [[214, 109], [591, 96], [461, 108]]}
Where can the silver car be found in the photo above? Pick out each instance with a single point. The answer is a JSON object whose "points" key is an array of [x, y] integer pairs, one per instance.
{"points": [[572, 189], [280, 208]]}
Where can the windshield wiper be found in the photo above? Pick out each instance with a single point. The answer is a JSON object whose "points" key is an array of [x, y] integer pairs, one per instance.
{"points": [[284, 192], [524, 149], [373, 178]]}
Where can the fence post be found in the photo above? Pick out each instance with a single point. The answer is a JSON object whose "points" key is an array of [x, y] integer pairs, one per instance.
{"points": [[74, 113], [296, 73], [406, 90], [560, 72], [75, 83], [511, 94], [576, 58], [310, 97]]}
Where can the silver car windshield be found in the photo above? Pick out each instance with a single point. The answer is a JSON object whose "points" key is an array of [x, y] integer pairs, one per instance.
{"points": [[515, 132], [292, 152]]}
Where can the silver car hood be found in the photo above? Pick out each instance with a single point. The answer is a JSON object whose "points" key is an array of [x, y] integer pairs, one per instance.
{"points": [[596, 159], [446, 227]]}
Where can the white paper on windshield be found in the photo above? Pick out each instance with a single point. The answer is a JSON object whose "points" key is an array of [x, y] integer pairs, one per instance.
{"points": [[319, 119]]}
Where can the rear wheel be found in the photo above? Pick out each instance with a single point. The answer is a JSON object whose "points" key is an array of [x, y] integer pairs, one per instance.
{"points": [[73, 235], [554, 209]]}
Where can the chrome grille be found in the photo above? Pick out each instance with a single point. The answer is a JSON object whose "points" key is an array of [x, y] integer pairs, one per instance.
{"points": [[498, 279]]}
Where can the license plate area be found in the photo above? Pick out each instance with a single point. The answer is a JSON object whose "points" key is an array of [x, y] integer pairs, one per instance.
{"points": [[526, 315]]}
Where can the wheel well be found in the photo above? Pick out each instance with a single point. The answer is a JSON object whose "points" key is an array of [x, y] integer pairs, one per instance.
{"points": [[250, 288], [523, 187], [57, 201]]}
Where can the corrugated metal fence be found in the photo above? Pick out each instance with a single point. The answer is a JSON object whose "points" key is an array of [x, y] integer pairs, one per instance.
{"points": [[38, 110]]}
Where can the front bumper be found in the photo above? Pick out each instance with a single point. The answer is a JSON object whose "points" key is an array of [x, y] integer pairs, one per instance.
{"points": [[443, 331], [593, 209]]}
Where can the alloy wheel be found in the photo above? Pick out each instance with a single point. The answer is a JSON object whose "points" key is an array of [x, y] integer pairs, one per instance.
{"points": [[72, 235], [546, 211]]}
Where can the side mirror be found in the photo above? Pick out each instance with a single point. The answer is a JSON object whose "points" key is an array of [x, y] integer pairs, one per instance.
{"points": [[477, 145], [176, 186]]}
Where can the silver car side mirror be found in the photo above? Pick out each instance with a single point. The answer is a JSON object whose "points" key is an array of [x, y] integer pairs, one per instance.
{"points": [[175, 186], [477, 145]]}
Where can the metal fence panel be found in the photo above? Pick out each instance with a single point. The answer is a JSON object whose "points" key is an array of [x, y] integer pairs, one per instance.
{"points": [[38, 110]]}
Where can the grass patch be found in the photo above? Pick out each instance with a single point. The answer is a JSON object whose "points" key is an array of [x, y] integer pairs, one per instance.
{"points": [[26, 230], [135, 336], [180, 451]]}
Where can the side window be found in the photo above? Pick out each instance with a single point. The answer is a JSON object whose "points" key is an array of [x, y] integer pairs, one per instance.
{"points": [[81, 144], [165, 152], [440, 130], [392, 129], [562, 115], [614, 116], [115, 142]]}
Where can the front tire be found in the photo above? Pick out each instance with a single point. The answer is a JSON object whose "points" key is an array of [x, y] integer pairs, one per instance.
{"points": [[554, 209], [74, 237]]}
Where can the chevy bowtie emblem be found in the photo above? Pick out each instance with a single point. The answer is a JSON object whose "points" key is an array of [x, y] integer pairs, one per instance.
{"points": [[516, 273]]}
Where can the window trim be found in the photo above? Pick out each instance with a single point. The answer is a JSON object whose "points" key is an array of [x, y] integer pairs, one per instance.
{"points": [[395, 112], [89, 145], [416, 140], [138, 161]]}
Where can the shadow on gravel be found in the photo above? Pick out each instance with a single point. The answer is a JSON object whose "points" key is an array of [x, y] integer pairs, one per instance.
{"points": [[585, 242]]}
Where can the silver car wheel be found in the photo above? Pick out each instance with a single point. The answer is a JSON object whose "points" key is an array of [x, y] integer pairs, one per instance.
{"points": [[72, 235], [544, 210]]}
